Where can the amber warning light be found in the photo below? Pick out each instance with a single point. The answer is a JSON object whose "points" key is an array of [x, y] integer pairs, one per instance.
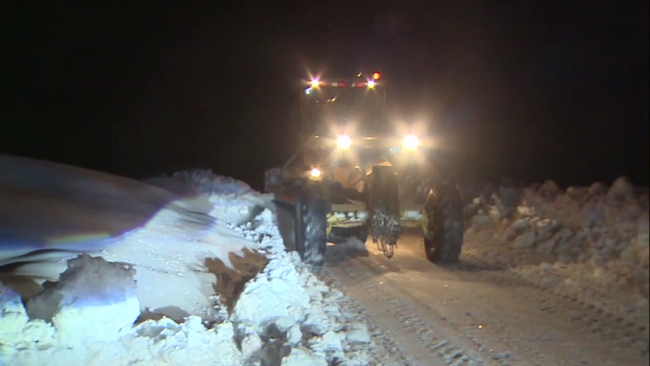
{"points": [[376, 75]]}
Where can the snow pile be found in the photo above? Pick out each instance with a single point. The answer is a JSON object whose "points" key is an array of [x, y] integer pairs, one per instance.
{"points": [[287, 316], [188, 259], [87, 283], [233, 200], [590, 242], [184, 259], [288, 312], [87, 332], [212, 184], [282, 315], [578, 225]]}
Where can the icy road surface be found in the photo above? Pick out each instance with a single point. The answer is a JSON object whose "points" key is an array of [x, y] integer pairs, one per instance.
{"points": [[470, 314]]}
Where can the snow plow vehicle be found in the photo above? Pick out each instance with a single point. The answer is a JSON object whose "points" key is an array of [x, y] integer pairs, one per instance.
{"points": [[352, 176]]}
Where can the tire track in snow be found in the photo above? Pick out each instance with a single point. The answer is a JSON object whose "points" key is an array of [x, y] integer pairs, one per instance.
{"points": [[619, 328], [625, 326], [515, 331], [623, 338], [436, 347], [386, 351]]}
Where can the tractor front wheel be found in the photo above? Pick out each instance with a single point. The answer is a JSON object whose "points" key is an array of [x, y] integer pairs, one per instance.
{"points": [[311, 225]]}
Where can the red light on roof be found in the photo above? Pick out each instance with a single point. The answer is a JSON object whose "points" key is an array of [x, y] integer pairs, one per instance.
{"points": [[376, 75]]}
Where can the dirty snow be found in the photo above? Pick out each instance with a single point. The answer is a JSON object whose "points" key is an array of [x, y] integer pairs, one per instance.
{"points": [[284, 316], [233, 201]]}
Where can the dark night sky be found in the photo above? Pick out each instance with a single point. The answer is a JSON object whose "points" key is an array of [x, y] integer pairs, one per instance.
{"points": [[532, 90]]}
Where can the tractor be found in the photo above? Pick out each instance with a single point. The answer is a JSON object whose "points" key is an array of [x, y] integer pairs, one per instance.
{"points": [[352, 175]]}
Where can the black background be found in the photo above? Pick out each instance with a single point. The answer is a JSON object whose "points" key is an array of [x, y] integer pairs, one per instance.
{"points": [[532, 90]]}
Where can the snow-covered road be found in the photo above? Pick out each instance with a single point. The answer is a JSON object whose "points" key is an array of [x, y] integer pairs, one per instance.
{"points": [[471, 314], [482, 311]]}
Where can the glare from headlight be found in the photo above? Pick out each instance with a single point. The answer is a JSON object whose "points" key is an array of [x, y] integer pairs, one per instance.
{"points": [[411, 142], [344, 141], [315, 173]]}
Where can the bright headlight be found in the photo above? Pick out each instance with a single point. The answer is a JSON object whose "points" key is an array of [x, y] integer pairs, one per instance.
{"points": [[344, 141], [315, 173], [411, 142]]}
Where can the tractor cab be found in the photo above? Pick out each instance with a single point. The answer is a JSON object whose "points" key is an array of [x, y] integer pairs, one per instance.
{"points": [[344, 125], [343, 106]]}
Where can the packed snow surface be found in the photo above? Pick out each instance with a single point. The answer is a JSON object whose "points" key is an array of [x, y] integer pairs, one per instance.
{"points": [[93, 314]]}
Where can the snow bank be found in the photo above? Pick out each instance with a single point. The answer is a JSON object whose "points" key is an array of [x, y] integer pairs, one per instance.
{"points": [[589, 242], [103, 334], [579, 225], [282, 315], [232, 200]]}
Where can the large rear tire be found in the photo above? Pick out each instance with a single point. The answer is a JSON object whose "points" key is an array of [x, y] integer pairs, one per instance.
{"points": [[443, 238], [311, 225]]}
